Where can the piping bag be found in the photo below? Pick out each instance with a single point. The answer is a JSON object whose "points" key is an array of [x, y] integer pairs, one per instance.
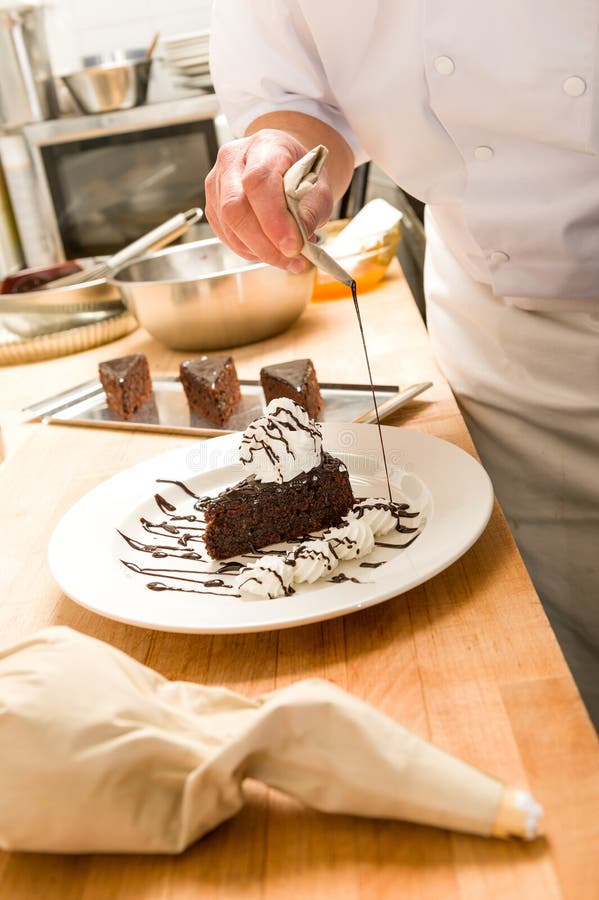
{"points": [[99, 753], [298, 180]]}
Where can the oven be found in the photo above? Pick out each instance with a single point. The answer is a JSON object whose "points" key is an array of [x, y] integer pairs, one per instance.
{"points": [[89, 185]]}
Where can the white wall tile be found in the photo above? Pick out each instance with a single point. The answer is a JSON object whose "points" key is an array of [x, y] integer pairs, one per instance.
{"points": [[78, 28]]}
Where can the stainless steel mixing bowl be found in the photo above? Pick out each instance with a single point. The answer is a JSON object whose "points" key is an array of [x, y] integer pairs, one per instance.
{"points": [[45, 310], [202, 296], [110, 86]]}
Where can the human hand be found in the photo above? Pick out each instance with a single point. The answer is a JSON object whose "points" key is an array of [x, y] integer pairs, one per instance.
{"points": [[245, 200]]}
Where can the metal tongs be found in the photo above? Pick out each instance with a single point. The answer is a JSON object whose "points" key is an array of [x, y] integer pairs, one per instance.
{"points": [[297, 181]]}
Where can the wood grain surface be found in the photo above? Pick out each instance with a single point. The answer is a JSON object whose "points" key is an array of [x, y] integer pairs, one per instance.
{"points": [[467, 660]]}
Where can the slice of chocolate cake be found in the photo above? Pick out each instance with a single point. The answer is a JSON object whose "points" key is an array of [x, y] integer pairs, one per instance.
{"points": [[126, 382], [253, 514], [295, 379], [293, 487], [211, 386]]}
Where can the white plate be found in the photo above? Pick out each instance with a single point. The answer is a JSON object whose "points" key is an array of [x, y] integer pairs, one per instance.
{"points": [[448, 487]]}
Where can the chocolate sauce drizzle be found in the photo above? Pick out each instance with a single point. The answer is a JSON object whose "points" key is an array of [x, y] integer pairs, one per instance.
{"points": [[341, 577], [203, 586], [397, 546], [287, 588], [354, 294], [180, 484], [207, 576], [251, 444], [398, 510]]}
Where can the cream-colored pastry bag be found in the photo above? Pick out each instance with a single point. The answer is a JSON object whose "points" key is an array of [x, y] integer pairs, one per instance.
{"points": [[100, 753]]}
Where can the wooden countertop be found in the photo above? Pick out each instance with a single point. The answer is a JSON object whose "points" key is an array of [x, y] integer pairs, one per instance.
{"points": [[467, 660]]}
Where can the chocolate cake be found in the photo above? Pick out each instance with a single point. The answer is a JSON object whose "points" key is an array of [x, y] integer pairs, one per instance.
{"points": [[254, 514], [291, 486], [295, 379], [211, 386], [126, 382]]}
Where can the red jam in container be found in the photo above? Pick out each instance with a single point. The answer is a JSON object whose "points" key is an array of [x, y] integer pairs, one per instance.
{"points": [[33, 279]]}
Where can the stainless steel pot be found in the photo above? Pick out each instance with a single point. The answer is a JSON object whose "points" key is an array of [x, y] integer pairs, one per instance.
{"points": [[110, 86], [27, 92]]}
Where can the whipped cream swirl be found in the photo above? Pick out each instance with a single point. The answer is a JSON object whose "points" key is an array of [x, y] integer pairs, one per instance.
{"points": [[351, 540], [272, 576], [311, 561], [377, 513], [269, 576], [282, 444]]}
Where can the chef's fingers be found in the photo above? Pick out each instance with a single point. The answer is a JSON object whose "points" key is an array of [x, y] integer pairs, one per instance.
{"points": [[224, 234], [239, 219], [212, 207], [229, 212], [269, 156], [237, 181], [317, 205]]}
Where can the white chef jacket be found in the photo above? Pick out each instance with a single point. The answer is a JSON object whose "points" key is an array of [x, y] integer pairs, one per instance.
{"points": [[489, 112]]}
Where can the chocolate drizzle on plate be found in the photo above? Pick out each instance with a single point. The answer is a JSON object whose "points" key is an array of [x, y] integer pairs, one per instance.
{"points": [[341, 577], [189, 569], [397, 546]]}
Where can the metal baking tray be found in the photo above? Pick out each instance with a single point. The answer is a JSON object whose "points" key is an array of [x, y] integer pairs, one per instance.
{"points": [[167, 411]]}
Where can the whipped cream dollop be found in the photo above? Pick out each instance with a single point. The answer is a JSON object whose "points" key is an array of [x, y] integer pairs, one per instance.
{"points": [[311, 560], [351, 540], [272, 576], [281, 444], [377, 513], [269, 576]]}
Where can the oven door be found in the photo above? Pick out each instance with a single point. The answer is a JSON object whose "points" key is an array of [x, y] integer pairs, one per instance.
{"points": [[104, 186]]}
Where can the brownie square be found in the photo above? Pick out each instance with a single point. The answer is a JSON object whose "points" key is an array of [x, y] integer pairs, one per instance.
{"points": [[295, 379], [211, 386], [127, 383]]}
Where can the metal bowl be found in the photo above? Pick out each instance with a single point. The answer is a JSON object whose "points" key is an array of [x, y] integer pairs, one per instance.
{"points": [[128, 54], [110, 86], [202, 296], [45, 310], [367, 263]]}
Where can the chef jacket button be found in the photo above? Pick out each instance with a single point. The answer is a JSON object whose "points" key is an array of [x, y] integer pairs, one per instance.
{"points": [[484, 153], [444, 65], [574, 86], [498, 256]]}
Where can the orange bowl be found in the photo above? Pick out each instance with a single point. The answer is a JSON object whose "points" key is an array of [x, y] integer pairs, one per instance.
{"points": [[367, 265]]}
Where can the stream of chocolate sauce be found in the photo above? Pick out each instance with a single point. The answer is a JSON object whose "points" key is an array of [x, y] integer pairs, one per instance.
{"points": [[354, 293]]}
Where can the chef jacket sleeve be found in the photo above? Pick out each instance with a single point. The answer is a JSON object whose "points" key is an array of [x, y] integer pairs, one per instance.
{"points": [[263, 58]]}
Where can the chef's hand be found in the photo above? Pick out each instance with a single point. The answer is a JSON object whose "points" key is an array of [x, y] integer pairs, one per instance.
{"points": [[245, 201]]}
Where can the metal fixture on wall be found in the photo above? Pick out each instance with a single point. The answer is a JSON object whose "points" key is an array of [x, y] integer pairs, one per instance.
{"points": [[27, 92]]}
